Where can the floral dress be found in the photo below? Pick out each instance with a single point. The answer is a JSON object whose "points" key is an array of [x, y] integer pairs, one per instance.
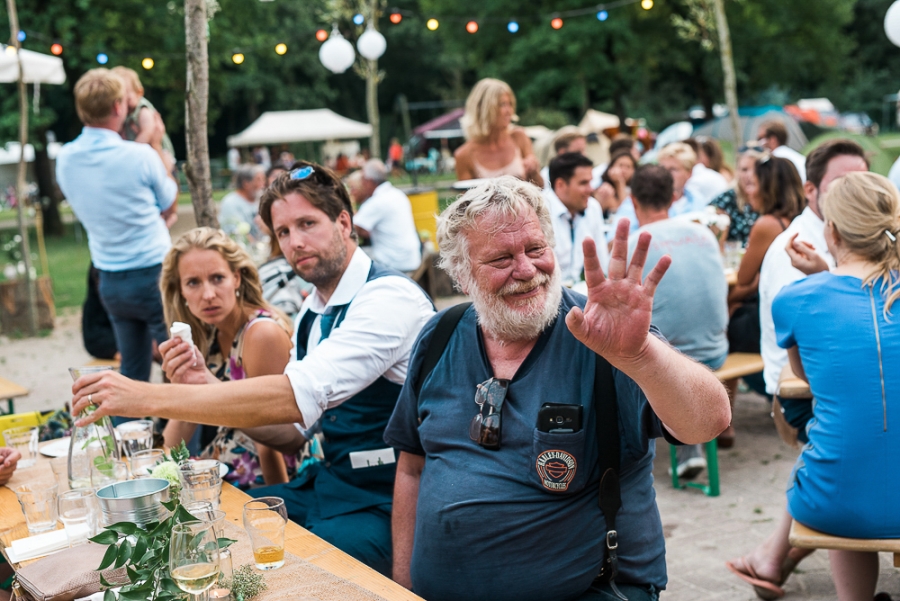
{"points": [[742, 220], [230, 446]]}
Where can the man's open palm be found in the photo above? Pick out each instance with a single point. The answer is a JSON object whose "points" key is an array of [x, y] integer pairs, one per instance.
{"points": [[616, 317]]}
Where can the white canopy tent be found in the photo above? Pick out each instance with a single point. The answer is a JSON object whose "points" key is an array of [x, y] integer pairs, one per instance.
{"points": [[284, 127], [39, 68]]}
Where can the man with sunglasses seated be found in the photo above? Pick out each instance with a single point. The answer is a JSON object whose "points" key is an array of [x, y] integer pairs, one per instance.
{"points": [[497, 499], [353, 338]]}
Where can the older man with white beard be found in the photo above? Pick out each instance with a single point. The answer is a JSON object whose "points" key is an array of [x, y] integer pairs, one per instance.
{"points": [[503, 505]]}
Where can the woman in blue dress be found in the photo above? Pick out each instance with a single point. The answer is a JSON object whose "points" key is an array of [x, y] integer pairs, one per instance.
{"points": [[842, 338]]}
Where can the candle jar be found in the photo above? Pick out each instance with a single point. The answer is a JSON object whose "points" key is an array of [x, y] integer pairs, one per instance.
{"points": [[221, 590]]}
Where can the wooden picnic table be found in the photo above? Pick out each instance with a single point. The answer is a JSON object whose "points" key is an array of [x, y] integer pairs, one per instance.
{"points": [[297, 541]]}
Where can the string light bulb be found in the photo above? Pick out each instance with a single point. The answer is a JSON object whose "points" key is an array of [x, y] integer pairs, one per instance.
{"points": [[237, 58], [147, 63], [472, 26], [646, 4], [512, 27], [396, 18], [358, 19], [556, 23], [56, 49], [281, 49], [432, 24], [11, 50], [102, 58], [321, 35], [602, 15], [21, 36]]}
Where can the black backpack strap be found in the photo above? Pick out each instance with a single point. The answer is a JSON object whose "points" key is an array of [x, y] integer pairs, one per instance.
{"points": [[439, 339], [606, 413]]}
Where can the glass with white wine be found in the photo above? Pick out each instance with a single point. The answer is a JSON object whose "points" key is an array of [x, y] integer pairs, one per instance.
{"points": [[265, 519], [194, 558]]}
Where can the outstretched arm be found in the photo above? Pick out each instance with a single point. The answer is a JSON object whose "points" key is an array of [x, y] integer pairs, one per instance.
{"points": [[615, 323], [403, 522]]}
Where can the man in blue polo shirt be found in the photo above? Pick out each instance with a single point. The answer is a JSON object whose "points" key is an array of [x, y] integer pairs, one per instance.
{"points": [[124, 195], [489, 504]]}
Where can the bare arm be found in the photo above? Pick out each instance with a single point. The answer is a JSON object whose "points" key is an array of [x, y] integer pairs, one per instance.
{"points": [[403, 520], [763, 232], [285, 438], [267, 350], [247, 403], [464, 168], [796, 363], [147, 123], [176, 431], [615, 323], [532, 166]]}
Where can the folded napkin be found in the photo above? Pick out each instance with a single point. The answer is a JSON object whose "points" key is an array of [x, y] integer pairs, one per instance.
{"points": [[38, 545], [68, 575]]}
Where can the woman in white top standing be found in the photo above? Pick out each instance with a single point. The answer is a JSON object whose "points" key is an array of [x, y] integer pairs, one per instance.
{"points": [[495, 147]]}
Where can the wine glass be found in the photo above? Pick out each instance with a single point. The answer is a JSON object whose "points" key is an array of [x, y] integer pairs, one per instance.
{"points": [[194, 558]]}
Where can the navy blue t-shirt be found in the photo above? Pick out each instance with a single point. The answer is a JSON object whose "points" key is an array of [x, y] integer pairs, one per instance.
{"points": [[487, 526]]}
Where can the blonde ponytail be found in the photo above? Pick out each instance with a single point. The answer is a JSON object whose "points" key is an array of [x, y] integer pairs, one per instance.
{"points": [[865, 210]]}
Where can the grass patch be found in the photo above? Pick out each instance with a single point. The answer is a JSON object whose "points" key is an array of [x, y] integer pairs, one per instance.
{"points": [[184, 198], [882, 150]]}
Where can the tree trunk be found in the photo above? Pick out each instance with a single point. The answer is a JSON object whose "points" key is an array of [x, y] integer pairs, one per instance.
{"points": [[47, 188], [196, 104], [728, 72], [20, 176], [372, 108]]}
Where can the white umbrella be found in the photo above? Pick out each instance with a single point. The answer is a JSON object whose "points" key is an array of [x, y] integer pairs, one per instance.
{"points": [[39, 68]]}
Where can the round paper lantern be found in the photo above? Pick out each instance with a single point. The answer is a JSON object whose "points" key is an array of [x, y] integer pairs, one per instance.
{"points": [[337, 54], [892, 23], [371, 44]]}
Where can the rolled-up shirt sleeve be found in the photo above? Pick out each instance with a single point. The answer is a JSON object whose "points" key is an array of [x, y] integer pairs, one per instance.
{"points": [[374, 339]]}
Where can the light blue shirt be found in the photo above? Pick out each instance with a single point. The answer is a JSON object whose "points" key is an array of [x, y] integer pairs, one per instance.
{"points": [[117, 189], [686, 204]]}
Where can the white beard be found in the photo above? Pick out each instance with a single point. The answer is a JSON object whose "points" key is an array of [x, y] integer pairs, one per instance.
{"points": [[526, 322]]}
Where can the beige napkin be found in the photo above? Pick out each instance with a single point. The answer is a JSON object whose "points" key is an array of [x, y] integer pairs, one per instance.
{"points": [[68, 575]]}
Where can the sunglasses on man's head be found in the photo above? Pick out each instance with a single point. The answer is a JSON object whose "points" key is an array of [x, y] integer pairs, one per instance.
{"points": [[302, 172], [485, 426]]}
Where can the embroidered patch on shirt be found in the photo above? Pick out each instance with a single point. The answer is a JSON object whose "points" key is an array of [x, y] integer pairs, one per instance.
{"points": [[556, 469]]}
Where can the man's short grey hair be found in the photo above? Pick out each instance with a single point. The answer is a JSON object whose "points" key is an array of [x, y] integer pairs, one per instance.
{"points": [[502, 198], [246, 173], [374, 171]]}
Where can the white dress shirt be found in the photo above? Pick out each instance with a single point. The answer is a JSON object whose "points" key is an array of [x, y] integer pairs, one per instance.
{"points": [[570, 231], [387, 216], [894, 173], [776, 273], [373, 340], [799, 161], [705, 184]]}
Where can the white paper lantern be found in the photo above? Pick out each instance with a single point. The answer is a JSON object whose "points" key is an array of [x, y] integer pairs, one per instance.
{"points": [[371, 44], [336, 53], [892, 23]]}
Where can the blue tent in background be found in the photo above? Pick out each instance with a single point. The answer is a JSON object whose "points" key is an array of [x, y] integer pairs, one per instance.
{"points": [[751, 118]]}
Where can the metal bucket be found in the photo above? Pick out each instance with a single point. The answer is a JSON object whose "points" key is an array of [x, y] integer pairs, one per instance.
{"points": [[136, 501]]}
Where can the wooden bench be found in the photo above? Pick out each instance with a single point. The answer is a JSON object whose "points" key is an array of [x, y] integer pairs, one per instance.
{"points": [[9, 391], [113, 363], [736, 365], [807, 538], [792, 387]]}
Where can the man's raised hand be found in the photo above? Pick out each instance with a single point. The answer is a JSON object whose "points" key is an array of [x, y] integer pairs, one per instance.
{"points": [[615, 322]]}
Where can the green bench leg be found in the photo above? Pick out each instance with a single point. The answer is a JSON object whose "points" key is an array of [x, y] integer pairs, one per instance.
{"points": [[712, 469]]}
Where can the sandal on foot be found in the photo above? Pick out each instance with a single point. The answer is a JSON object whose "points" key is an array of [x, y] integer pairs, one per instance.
{"points": [[764, 589]]}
